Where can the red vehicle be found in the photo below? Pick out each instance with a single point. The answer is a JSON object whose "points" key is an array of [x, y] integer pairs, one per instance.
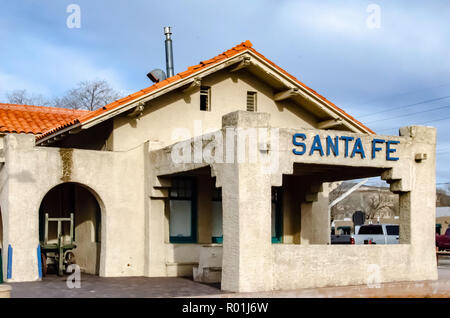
{"points": [[443, 241]]}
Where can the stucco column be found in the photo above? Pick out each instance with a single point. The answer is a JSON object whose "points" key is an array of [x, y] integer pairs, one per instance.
{"points": [[418, 207], [315, 219], [156, 228], [19, 212], [247, 246], [246, 199]]}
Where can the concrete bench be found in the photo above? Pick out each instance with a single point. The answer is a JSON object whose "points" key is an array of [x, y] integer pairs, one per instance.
{"points": [[209, 269]]}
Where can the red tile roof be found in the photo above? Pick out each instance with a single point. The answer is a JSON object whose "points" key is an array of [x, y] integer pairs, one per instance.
{"points": [[247, 45], [35, 119]]}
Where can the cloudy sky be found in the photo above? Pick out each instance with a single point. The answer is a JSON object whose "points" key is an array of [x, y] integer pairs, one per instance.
{"points": [[387, 72]]}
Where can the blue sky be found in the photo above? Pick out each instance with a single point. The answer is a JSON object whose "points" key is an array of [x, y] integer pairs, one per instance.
{"points": [[372, 73]]}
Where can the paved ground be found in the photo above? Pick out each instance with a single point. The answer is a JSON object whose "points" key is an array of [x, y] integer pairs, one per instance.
{"points": [[422, 289], [94, 286], [123, 287]]}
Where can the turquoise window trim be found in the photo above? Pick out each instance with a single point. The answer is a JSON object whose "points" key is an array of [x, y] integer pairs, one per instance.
{"points": [[278, 238], [217, 197], [193, 237]]}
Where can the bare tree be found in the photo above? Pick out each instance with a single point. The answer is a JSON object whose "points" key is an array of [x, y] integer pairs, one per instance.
{"points": [[378, 204], [336, 193], [88, 95], [22, 97]]}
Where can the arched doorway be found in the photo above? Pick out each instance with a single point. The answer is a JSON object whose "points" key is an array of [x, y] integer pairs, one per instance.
{"points": [[60, 202]]}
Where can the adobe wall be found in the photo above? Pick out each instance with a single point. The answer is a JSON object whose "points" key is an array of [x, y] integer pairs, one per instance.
{"points": [[115, 179]]}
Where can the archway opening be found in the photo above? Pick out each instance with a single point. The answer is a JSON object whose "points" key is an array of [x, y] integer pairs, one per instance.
{"points": [[63, 205]]}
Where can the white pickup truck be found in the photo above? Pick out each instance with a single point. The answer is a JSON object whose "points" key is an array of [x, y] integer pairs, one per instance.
{"points": [[376, 234]]}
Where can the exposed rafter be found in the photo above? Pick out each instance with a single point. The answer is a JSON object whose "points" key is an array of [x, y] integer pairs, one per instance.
{"points": [[137, 111], [286, 94], [330, 123], [246, 61], [195, 84]]}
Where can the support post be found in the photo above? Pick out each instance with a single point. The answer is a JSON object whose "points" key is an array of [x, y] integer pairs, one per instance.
{"points": [[246, 197]]}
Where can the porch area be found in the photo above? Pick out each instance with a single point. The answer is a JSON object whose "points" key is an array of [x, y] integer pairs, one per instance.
{"points": [[264, 225]]}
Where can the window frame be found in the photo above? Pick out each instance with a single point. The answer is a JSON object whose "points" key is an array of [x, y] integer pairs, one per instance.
{"points": [[278, 238], [217, 197], [193, 199], [254, 94], [208, 96]]}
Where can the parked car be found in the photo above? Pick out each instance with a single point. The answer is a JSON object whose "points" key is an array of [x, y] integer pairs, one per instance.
{"points": [[443, 241], [376, 234], [341, 235]]}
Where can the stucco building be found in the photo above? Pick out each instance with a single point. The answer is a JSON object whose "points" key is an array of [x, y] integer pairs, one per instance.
{"points": [[221, 170]]}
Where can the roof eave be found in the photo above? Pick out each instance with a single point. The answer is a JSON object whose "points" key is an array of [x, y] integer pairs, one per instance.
{"points": [[290, 82]]}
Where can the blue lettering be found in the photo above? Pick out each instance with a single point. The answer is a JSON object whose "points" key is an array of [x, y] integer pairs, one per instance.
{"points": [[389, 150], [331, 146], [316, 145], [299, 144], [346, 139], [358, 148], [374, 146]]}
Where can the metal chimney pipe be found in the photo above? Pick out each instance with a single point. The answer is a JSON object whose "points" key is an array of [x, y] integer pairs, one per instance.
{"points": [[169, 52]]}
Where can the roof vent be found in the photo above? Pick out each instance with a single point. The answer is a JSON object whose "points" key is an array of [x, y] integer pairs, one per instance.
{"points": [[169, 51], [157, 75]]}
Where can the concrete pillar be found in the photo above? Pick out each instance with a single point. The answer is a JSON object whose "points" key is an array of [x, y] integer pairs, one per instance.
{"points": [[315, 219], [246, 198], [156, 227], [292, 199], [247, 246], [418, 207], [156, 251], [20, 212]]}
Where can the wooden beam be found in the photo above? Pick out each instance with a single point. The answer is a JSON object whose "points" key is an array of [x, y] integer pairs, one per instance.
{"points": [[330, 123], [137, 111], [285, 94], [196, 83], [246, 61]]}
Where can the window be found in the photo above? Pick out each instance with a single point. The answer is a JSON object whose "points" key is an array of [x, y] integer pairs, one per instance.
{"points": [[392, 229], [344, 230], [251, 101], [217, 234], [371, 229], [277, 215], [183, 211], [205, 98]]}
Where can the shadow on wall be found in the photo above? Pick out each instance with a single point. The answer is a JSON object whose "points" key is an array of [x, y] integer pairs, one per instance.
{"points": [[74, 198]]}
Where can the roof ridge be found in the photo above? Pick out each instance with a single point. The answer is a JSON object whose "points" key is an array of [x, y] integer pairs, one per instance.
{"points": [[243, 46], [190, 69]]}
